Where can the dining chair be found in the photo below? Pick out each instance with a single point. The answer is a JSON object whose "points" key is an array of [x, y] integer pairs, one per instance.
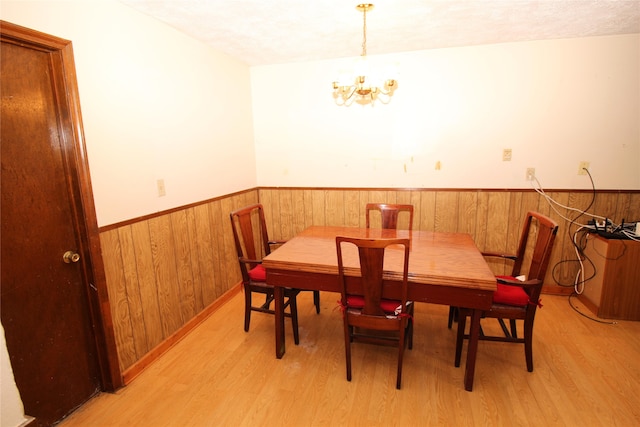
{"points": [[517, 296], [252, 244], [388, 214], [368, 317]]}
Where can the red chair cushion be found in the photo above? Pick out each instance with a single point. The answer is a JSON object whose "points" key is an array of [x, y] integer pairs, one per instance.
{"points": [[388, 306], [510, 295], [258, 273]]}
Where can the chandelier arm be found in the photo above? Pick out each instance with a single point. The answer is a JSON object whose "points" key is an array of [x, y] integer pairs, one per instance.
{"points": [[353, 91], [340, 93]]}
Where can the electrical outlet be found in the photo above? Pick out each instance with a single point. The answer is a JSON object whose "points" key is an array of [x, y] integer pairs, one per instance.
{"points": [[506, 155], [531, 174], [582, 168], [161, 190]]}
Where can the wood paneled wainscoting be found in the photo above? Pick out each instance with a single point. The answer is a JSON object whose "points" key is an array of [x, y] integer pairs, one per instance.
{"points": [[166, 272]]}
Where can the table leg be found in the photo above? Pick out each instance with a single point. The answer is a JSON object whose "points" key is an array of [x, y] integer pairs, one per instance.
{"points": [[278, 295], [472, 349]]}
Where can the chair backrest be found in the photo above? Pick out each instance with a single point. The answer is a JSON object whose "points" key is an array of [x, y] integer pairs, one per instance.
{"points": [[534, 250], [371, 255], [250, 236], [389, 214]]}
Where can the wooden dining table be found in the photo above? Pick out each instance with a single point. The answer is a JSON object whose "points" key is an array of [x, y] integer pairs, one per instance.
{"points": [[444, 268]]}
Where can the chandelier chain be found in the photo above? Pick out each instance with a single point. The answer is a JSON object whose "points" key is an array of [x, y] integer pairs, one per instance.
{"points": [[364, 33]]}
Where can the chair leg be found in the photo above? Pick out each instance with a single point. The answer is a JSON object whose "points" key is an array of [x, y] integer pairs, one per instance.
{"points": [[401, 344], [453, 316], [462, 320], [247, 308], [514, 330], [528, 344], [267, 301], [410, 327], [410, 334], [347, 348], [293, 307], [316, 301], [504, 328]]}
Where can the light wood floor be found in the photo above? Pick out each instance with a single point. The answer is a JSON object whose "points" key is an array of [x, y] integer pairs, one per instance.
{"points": [[586, 374]]}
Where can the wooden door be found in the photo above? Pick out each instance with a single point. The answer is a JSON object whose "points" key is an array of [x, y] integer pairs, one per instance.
{"points": [[54, 341]]}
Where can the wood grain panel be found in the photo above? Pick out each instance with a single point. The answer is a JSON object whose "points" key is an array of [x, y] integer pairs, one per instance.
{"points": [[143, 257], [403, 197], [633, 210], [308, 207], [182, 254], [497, 221], [227, 268], [204, 244], [606, 205], [286, 216], [318, 203], [114, 274], [467, 219], [446, 212], [298, 217], [364, 199], [580, 202], [334, 207], [427, 211], [517, 212], [352, 208], [378, 196], [482, 216], [270, 199], [492, 233], [195, 259], [415, 200], [166, 274], [134, 298]]}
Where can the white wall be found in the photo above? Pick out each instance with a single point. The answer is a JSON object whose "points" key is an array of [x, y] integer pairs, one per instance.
{"points": [[156, 104], [11, 409], [554, 103]]}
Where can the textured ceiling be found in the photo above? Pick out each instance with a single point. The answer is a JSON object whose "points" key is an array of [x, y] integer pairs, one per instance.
{"points": [[260, 32]]}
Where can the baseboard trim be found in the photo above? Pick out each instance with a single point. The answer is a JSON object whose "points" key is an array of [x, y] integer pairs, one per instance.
{"points": [[556, 290], [137, 368]]}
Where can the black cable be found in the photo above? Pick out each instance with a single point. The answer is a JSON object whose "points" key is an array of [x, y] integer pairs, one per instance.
{"points": [[583, 257], [606, 322], [606, 257]]}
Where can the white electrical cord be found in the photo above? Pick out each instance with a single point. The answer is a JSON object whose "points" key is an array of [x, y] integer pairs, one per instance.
{"points": [[551, 202], [578, 285], [631, 236]]}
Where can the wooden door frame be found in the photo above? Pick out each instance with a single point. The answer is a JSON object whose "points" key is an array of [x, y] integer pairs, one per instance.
{"points": [[80, 190]]}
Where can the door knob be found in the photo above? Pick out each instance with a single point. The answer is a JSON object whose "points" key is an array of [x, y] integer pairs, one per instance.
{"points": [[70, 257]]}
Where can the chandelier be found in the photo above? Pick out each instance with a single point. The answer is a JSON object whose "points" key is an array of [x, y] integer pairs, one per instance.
{"points": [[361, 89]]}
